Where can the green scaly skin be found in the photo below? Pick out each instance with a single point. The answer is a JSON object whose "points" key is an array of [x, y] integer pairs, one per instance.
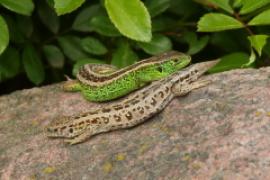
{"points": [[128, 83]]}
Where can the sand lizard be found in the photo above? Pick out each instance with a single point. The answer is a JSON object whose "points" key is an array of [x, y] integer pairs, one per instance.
{"points": [[104, 82], [131, 110]]}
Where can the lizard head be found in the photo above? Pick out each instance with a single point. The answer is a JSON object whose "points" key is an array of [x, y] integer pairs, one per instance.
{"points": [[64, 127], [175, 63]]}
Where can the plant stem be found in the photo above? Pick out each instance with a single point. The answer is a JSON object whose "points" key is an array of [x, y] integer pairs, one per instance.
{"points": [[236, 15]]}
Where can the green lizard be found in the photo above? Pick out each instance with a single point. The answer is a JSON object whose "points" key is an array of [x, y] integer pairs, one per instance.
{"points": [[104, 82], [132, 109]]}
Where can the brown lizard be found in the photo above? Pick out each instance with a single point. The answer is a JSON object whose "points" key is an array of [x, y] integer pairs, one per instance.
{"points": [[132, 109]]}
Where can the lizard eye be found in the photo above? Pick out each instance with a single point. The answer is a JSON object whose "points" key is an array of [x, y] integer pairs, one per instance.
{"points": [[71, 130], [175, 60], [159, 69]]}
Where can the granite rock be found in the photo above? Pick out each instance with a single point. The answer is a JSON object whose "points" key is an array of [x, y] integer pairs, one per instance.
{"points": [[221, 131]]}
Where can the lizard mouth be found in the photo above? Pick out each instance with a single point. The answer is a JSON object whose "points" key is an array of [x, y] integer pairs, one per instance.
{"points": [[53, 132]]}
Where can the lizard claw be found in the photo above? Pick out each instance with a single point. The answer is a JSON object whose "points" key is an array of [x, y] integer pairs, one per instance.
{"points": [[68, 78], [71, 141]]}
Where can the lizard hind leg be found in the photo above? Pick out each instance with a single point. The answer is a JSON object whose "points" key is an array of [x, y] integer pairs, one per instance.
{"points": [[72, 85], [181, 89]]}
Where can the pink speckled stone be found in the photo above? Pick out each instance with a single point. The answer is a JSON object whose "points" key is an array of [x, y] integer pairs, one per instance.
{"points": [[221, 131]]}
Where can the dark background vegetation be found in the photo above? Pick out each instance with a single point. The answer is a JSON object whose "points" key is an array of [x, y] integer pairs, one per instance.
{"points": [[43, 40]]}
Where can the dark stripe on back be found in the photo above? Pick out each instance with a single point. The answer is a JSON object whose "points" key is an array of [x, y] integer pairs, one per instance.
{"points": [[158, 59]]}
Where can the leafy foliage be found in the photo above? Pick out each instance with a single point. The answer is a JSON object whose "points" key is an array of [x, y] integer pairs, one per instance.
{"points": [[45, 39], [4, 35]]}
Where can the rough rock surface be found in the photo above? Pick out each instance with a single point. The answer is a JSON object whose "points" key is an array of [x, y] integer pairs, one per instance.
{"points": [[221, 131]]}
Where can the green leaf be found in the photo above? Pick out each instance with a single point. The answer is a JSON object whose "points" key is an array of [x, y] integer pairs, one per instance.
{"points": [[103, 26], [158, 44], [252, 5], [195, 44], [93, 46], [230, 61], [24, 7], [48, 17], [66, 6], [258, 42], [82, 21], [223, 4], [71, 46], [4, 35], [261, 19], [252, 59], [124, 55], [9, 63], [54, 56], [33, 65], [82, 62], [15, 34], [131, 18], [156, 7], [237, 3], [266, 49], [217, 22]]}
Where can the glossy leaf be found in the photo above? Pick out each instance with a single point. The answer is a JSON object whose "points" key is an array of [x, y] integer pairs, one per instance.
{"points": [[156, 7], [24, 7], [237, 3], [266, 49], [103, 26], [157, 45], [15, 35], [131, 18], [9, 63], [82, 62], [71, 46], [66, 6], [258, 42], [230, 61], [4, 35], [33, 65], [54, 56], [82, 21], [93, 46], [261, 19], [48, 17], [252, 5], [218, 22], [124, 55], [195, 44], [252, 59], [223, 4]]}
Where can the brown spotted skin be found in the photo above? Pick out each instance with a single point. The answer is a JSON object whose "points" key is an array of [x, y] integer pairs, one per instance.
{"points": [[131, 110]]}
